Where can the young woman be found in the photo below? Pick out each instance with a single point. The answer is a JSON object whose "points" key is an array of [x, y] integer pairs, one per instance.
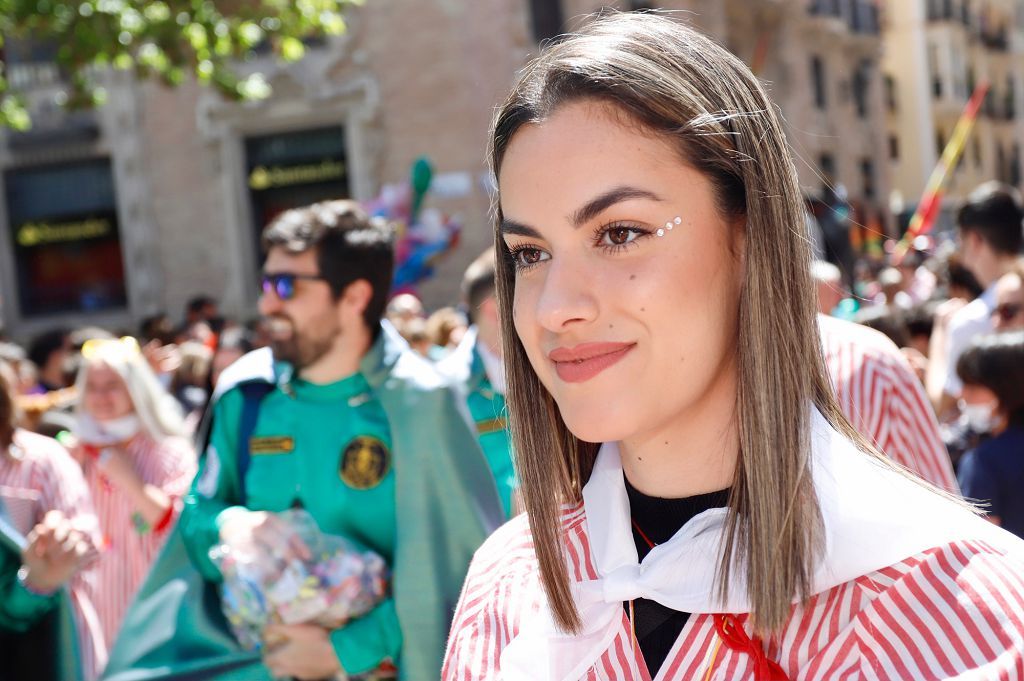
{"points": [[732, 525], [137, 464], [992, 371]]}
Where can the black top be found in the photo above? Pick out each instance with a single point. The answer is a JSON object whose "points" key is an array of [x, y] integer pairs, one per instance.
{"points": [[656, 626]]}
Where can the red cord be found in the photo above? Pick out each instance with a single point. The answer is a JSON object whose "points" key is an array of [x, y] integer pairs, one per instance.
{"points": [[732, 635]]}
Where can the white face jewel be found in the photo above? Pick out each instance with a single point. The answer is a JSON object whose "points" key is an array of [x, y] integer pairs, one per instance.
{"points": [[669, 225]]}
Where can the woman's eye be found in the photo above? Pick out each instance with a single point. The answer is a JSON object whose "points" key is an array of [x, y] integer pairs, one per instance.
{"points": [[619, 236], [526, 257]]}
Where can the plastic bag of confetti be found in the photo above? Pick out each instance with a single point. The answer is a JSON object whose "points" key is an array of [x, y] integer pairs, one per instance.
{"points": [[338, 583]]}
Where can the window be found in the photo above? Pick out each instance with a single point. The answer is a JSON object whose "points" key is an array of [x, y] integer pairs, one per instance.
{"points": [[827, 165], [546, 19], [894, 147], [867, 175], [818, 82], [861, 84], [890, 93], [294, 169], [933, 69], [66, 238]]}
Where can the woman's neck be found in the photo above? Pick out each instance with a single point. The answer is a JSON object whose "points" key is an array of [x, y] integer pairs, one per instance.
{"points": [[694, 453]]}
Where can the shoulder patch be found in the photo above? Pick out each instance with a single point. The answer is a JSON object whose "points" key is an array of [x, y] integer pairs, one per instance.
{"points": [[365, 461]]}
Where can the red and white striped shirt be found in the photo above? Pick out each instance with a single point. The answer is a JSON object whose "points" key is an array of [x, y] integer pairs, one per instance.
{"points": [[954, 611], [883, 399], [170, 465], [45, 479]]}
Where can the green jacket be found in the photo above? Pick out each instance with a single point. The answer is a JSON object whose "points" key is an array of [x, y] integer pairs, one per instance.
{"points": [[445, 504], [21, 610], [465, 369]]}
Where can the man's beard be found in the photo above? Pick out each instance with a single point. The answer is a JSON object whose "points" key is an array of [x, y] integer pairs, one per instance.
{"points": [[305, 347]]}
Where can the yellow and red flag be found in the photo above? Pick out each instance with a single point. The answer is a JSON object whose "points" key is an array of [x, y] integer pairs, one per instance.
{"points": [[928, 208]]}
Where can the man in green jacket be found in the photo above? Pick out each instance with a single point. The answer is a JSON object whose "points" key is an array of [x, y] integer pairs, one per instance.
{"points": [[354, 428], [476, 368]]}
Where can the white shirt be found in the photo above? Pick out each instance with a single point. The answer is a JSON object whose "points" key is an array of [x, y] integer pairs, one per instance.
{"points": [[971, 321]]}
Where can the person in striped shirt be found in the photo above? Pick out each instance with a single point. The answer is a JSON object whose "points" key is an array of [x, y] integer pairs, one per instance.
{"points": [[879, 394], [137, 464], [698, 507], [42, 497]]}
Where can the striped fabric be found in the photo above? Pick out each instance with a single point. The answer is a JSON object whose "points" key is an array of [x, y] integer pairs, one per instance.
{"points": [[46, 478], [884, 400], [127, 555], [955, 611]]}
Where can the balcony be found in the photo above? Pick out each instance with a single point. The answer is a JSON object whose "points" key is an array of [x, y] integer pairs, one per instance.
{"points": [[859, 16]]}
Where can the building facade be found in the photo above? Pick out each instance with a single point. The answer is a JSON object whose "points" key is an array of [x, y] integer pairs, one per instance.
{"points": [[936, 53], [112, 215]]}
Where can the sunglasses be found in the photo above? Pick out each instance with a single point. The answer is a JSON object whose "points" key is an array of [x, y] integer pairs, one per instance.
{"points": [[282, 284], [1007, 311]]}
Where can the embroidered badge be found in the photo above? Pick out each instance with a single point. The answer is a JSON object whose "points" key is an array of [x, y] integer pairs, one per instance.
{"points": [[364, 462], [491, 425], [272, 444]]}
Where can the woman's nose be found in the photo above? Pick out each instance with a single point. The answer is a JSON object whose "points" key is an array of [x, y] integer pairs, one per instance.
{"points": [[567, 297]]}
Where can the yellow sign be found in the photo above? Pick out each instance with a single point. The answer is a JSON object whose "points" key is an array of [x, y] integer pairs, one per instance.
{"points": [[262, 177], [39, 233]]}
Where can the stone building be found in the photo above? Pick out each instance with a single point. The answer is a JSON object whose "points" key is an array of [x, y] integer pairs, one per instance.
{"points": [[936, 53], [112, 215]]}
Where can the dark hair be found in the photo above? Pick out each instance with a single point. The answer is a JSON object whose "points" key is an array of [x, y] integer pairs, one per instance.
{"points": [[157, 327], [45, 344], [350, 245], [881, 318], [197, 303], [996, 362], [478, 283], [994, 212], [920, 319], [961, 276]]}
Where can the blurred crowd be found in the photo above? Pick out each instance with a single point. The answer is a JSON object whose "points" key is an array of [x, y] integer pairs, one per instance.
{"points": [[95, 503]]}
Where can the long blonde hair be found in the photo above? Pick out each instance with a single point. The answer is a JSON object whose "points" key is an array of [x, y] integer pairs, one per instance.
{"points": [[675, 83], [160, 414]]}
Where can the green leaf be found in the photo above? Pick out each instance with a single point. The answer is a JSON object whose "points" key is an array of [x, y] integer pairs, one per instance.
{"points": [[292, 49]]}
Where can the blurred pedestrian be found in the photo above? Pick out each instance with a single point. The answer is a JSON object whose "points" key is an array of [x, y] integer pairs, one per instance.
{"points": [[50, 353], [137, 463], [992, 372], [340, 418], [446, 327], [1008, 313], [44, 498], [989, 226], [476, 367], [880, 393]]}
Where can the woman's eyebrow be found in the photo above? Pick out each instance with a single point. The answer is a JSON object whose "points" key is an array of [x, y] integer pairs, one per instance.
{"points": [[600, 203], [513, 227], [587, 212]]}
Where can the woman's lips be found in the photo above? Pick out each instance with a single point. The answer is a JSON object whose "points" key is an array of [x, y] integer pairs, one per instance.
{"points": [[583, 362]]}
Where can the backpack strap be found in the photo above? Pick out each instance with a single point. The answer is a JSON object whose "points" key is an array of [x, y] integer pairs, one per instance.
{"points": [[252, 395]]}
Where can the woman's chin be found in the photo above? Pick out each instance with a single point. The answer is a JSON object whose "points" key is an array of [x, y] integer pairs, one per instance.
{"points": [[595, 427]]}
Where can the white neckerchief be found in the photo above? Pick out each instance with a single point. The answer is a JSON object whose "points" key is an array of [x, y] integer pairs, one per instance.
{"points": [[873, 518]]}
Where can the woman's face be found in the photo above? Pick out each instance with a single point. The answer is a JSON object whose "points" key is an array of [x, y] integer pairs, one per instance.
{"points": [[628, 330], [106, 396]]}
